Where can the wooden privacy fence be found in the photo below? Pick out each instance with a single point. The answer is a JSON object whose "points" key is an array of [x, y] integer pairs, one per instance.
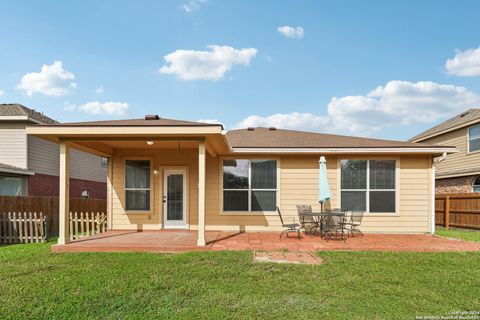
{"points": [[18, 227], [458, 210], [87, 224], [49, 207]]}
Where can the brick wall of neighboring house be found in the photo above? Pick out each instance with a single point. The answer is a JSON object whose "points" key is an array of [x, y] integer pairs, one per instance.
{"points": [[455, 185], [48, 186]]}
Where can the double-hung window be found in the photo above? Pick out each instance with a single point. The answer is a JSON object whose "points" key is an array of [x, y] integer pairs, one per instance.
{"points": [[137, 185], [474, 139], [368, 185], [249, 185]]}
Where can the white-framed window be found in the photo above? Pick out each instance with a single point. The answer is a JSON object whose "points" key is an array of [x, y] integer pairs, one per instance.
{"points": [[137, 185], [85, 193], [11, 186], [368, 185], [476, 184], [474, 138], [249, 185], [104, 162]]}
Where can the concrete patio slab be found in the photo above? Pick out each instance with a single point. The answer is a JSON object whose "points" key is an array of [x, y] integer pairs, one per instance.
{"points": [[185, 240]]}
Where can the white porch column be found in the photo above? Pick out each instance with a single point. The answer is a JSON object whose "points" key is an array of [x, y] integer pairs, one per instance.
{"points": [[64, 194], [201, 194], [110, 194]]}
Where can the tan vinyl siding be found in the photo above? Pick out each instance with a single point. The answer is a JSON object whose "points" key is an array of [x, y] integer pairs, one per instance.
{"points": [[461, 160], [13, 145], [43, 157], [162, 158], [298, 185]]}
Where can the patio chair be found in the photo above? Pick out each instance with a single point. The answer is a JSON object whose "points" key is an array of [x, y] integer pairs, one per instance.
{"points": [[334, 227], [307, 224], [353, 222], [289, 227]]}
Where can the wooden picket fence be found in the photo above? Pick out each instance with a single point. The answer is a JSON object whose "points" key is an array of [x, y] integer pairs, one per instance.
{"points": [[22, 227], [49, 207], [458, 210], [87, 224]]}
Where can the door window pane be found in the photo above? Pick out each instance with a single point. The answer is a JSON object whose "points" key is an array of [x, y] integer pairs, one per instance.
{"points": [[264, 174], [138, 200], [175, 197], [354, 174], [382, 201], [235, 200], [235, 174], [137, 174], [382, 174], [264, 200], [354, 200]]}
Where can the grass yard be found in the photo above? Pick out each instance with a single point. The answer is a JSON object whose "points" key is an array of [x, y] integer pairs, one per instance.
{"points": [[35, 283], [465, 234]]}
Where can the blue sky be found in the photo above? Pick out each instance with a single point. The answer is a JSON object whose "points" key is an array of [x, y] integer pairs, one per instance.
{"points": [[367, 68]]}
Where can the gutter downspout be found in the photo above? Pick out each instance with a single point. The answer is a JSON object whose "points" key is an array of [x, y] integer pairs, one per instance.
{"points": [[432, 218]]}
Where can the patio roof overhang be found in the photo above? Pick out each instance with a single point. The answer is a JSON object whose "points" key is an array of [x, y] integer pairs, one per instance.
{"points": [[104, 140]]}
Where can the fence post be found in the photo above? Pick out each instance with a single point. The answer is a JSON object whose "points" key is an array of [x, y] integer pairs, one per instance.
{"points": [[447, 212]]}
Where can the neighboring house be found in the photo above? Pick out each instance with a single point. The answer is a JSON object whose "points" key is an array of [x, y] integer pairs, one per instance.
{"points": [[178, 174], [459, 172], [29, 165]]}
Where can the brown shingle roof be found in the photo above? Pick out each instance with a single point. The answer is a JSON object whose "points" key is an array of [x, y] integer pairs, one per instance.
{"points": [[15, 109], [457, 121], [161, 122], [279, 138]]}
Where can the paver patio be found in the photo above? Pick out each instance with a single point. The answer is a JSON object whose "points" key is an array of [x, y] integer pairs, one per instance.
{"points": [[184, 240]]}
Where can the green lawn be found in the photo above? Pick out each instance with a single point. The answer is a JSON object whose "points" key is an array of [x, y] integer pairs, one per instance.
{"points": [[35, 283], [470, 235]]}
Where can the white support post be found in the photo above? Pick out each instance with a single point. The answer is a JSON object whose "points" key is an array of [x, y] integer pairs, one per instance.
{"points": [[201, 194], [64, 194], [110, 194], [432, 215]]}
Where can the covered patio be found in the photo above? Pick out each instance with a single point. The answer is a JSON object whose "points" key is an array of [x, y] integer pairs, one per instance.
{"points": [[186, 240]]}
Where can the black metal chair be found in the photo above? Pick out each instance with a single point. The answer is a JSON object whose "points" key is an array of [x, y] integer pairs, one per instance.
{"points": [[334, 227], [307, 223], [353, 222], [289, 227]]}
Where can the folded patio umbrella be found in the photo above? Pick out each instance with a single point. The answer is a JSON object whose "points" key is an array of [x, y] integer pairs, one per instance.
{"points": [[323, 187]]}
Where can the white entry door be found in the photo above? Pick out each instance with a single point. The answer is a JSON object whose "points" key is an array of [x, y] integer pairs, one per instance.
{"points": [[174, 199]]}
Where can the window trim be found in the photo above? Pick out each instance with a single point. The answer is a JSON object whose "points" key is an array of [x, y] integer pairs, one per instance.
{"points": [[249, 212], [152, 184], [473, 183], [397, 185], [468, 140]]}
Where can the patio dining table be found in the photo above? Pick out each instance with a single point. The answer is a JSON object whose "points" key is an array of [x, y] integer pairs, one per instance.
{"points": [[321, 215]]}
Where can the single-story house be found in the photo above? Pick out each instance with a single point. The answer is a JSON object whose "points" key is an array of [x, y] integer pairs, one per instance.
{"points": [[178, 174]]}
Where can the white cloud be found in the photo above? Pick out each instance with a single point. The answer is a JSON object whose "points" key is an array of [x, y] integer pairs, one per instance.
{"points": [[99, 90], [67, 106], [52, 80], [193, 5], [2, 93], [464, 64], [398, 103], [108, 108], [206, 65], [291, 32]]}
